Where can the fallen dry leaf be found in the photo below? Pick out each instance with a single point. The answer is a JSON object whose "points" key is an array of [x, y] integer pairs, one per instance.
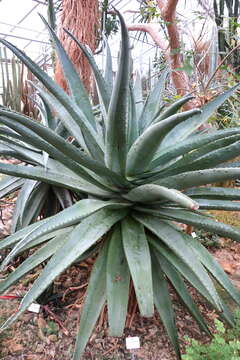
{"points": [[227, 267], [13, 347]]}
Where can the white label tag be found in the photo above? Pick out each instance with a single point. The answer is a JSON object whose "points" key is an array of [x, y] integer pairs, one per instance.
{"points": [[194, 235], [34, 308], [132, 343]]}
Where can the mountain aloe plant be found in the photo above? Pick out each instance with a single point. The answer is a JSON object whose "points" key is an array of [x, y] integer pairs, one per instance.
{"points": [[138, 170]]}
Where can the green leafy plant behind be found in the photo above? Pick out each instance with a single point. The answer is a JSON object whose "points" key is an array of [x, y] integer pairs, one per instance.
{"points": [[12, 81], [137, 172], [224, 345]]}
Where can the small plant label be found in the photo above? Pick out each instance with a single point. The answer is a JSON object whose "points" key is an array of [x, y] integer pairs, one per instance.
{"points": [[132, 343], [194, 235], [34, 307]]}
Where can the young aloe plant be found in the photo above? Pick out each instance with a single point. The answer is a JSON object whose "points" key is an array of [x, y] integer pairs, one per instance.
{"points": [[138, 174]]}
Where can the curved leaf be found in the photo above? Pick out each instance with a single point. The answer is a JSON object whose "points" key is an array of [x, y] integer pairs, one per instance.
{"points": [[103, 86], [139, 261], [117, 126], [36, 140], [197, 220], [190, 276], [52, 177], [195, 142], [208, 160], [199, 177], [30, 155], [213, 267], [10, 184], [74, 82], [143, 150], [164, 305], [118, 280], [81, 239], [153, 102], [167, 233], [73, 215], [22, 198], [181, 131], [91, 142], [95, 299], [181, 289], [153, 193], [173, 108], [34, 260], [62, 99], [34, 205], [69, 150]]}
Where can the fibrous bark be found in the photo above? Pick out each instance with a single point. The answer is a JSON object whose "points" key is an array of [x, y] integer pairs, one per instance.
{"points": [[81, 17], [172, 49]]}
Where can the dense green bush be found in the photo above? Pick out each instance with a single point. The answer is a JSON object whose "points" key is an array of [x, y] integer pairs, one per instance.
{"points": [[137, 171]]}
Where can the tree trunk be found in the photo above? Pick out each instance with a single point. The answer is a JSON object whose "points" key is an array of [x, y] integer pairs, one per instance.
{"points": [[81, 18], [172, 49]]}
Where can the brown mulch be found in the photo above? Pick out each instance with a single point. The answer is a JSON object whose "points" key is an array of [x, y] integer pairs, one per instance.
{"points": [[51, 334]]}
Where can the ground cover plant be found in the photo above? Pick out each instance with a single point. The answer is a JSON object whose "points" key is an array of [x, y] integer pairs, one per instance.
{"points": [[137, 171], [224, 345]]}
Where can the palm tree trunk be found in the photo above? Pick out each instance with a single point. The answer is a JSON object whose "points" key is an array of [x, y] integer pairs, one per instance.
{"points": [[81, 17]]}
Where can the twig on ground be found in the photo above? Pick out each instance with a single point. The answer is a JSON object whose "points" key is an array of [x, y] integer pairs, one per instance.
{"points": [[56, 319]]}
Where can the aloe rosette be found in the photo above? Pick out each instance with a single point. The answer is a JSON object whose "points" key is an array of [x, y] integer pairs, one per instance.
{"points": [[138, 170]]}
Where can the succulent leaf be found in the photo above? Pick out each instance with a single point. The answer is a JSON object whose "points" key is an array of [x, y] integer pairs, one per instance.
{"points": [[164, 305], [183, 130], [181, 289], [118, 281], [143, 150], [139, 261], [75, 84], [117, 125], [153, 102]]}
